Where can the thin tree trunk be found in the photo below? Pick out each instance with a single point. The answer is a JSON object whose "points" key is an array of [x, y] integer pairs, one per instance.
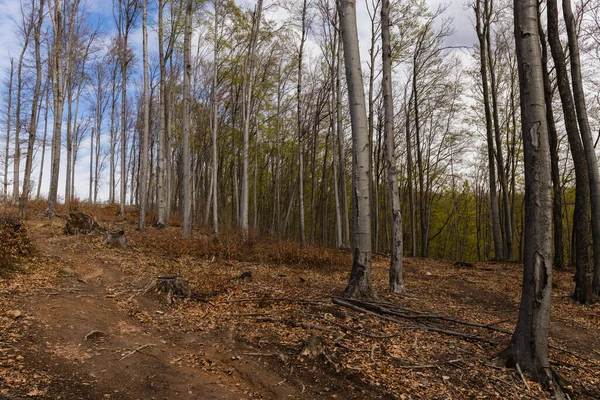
{"points": [[187, 99], [396, 282], [143, 179], [8, 127], [508, 235], [44, 139], [215, 123], [409, 168], [341, 151], [299, 128], [34, 109], [481, 16], [559, 254], [249, 78]]}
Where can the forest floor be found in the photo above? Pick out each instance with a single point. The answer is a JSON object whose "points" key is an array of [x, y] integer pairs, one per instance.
{"points": [[76, 324]]}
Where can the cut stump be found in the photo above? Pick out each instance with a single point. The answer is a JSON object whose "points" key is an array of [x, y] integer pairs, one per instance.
{"points": [[172, 285]]}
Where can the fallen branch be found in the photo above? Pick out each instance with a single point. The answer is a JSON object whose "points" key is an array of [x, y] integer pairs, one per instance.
{"points": [[275, 299], [136, 350], [421, 315], [345, 303]]}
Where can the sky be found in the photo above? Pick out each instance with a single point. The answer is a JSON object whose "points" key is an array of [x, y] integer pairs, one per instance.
{"points": [[101, 10]]}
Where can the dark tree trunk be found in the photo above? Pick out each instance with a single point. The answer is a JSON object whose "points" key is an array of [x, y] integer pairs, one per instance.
{"points": [[528, 347], [582, 189]]}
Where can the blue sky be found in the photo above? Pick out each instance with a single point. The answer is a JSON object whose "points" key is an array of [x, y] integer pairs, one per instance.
{"points": [[101, 11]]}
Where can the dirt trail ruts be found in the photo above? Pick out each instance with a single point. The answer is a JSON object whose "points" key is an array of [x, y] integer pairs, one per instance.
{"points": [[93, 349]]}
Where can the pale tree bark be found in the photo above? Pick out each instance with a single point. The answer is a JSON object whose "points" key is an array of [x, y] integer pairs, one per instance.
{"points": [[113, 135], [528, 347], [359, 284], [215, 123], [559, 254], [128, 11], [187, 98], [482, 26], [143, 179], [8, 123], [37, 39], [247, 107], [586, 136], [44, 138], [299, 130], [56, 71], [583, 278], [341, 147], [396, 283], [162, 152], [409, 167]]}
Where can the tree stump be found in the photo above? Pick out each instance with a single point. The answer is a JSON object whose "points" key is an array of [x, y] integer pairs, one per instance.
{"points": [[80, 223], [117, 239], [172, 285]]}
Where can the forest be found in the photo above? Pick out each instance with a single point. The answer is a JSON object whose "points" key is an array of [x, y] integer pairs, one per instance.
{"points": [[366, 137]]}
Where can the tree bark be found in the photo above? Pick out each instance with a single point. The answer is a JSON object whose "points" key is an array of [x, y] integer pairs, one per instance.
{"points": [[559, 254], [143, 178], [359, 284], [187, 99], [35, 103], [341, 151], [8, 123], [586, 136], [299, 127], [480, 16], [215, 123], [396, 282], [528, 347]]}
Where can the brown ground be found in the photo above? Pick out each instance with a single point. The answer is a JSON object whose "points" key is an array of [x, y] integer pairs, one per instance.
{"points": [[242, 338]]}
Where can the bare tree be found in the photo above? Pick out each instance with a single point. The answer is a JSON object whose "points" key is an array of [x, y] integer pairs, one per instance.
{"points": [[37, 39], [396, 280], [187, 73], [8, 123], [359, 284], [143, 178]]}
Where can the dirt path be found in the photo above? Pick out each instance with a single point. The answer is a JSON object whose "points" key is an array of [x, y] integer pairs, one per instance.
{"points": [[90, 347]]}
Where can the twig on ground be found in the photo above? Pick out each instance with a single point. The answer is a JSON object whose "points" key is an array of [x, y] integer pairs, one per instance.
{"points": [[136, 350], [523, 377]]}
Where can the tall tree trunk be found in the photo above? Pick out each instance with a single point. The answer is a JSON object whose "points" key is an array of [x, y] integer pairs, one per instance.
{"points": [[481, 17], [58, 101], [409, 173], [583, 285], [249, 78], [8, 123], [396, 280], [508, 234], [559, 254], [586, 136], [215, 123], [528, 347], [341, 151], [299, 128], [35, 103], [359, 284], [44, 139], [187, 99], [143, 179]]}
